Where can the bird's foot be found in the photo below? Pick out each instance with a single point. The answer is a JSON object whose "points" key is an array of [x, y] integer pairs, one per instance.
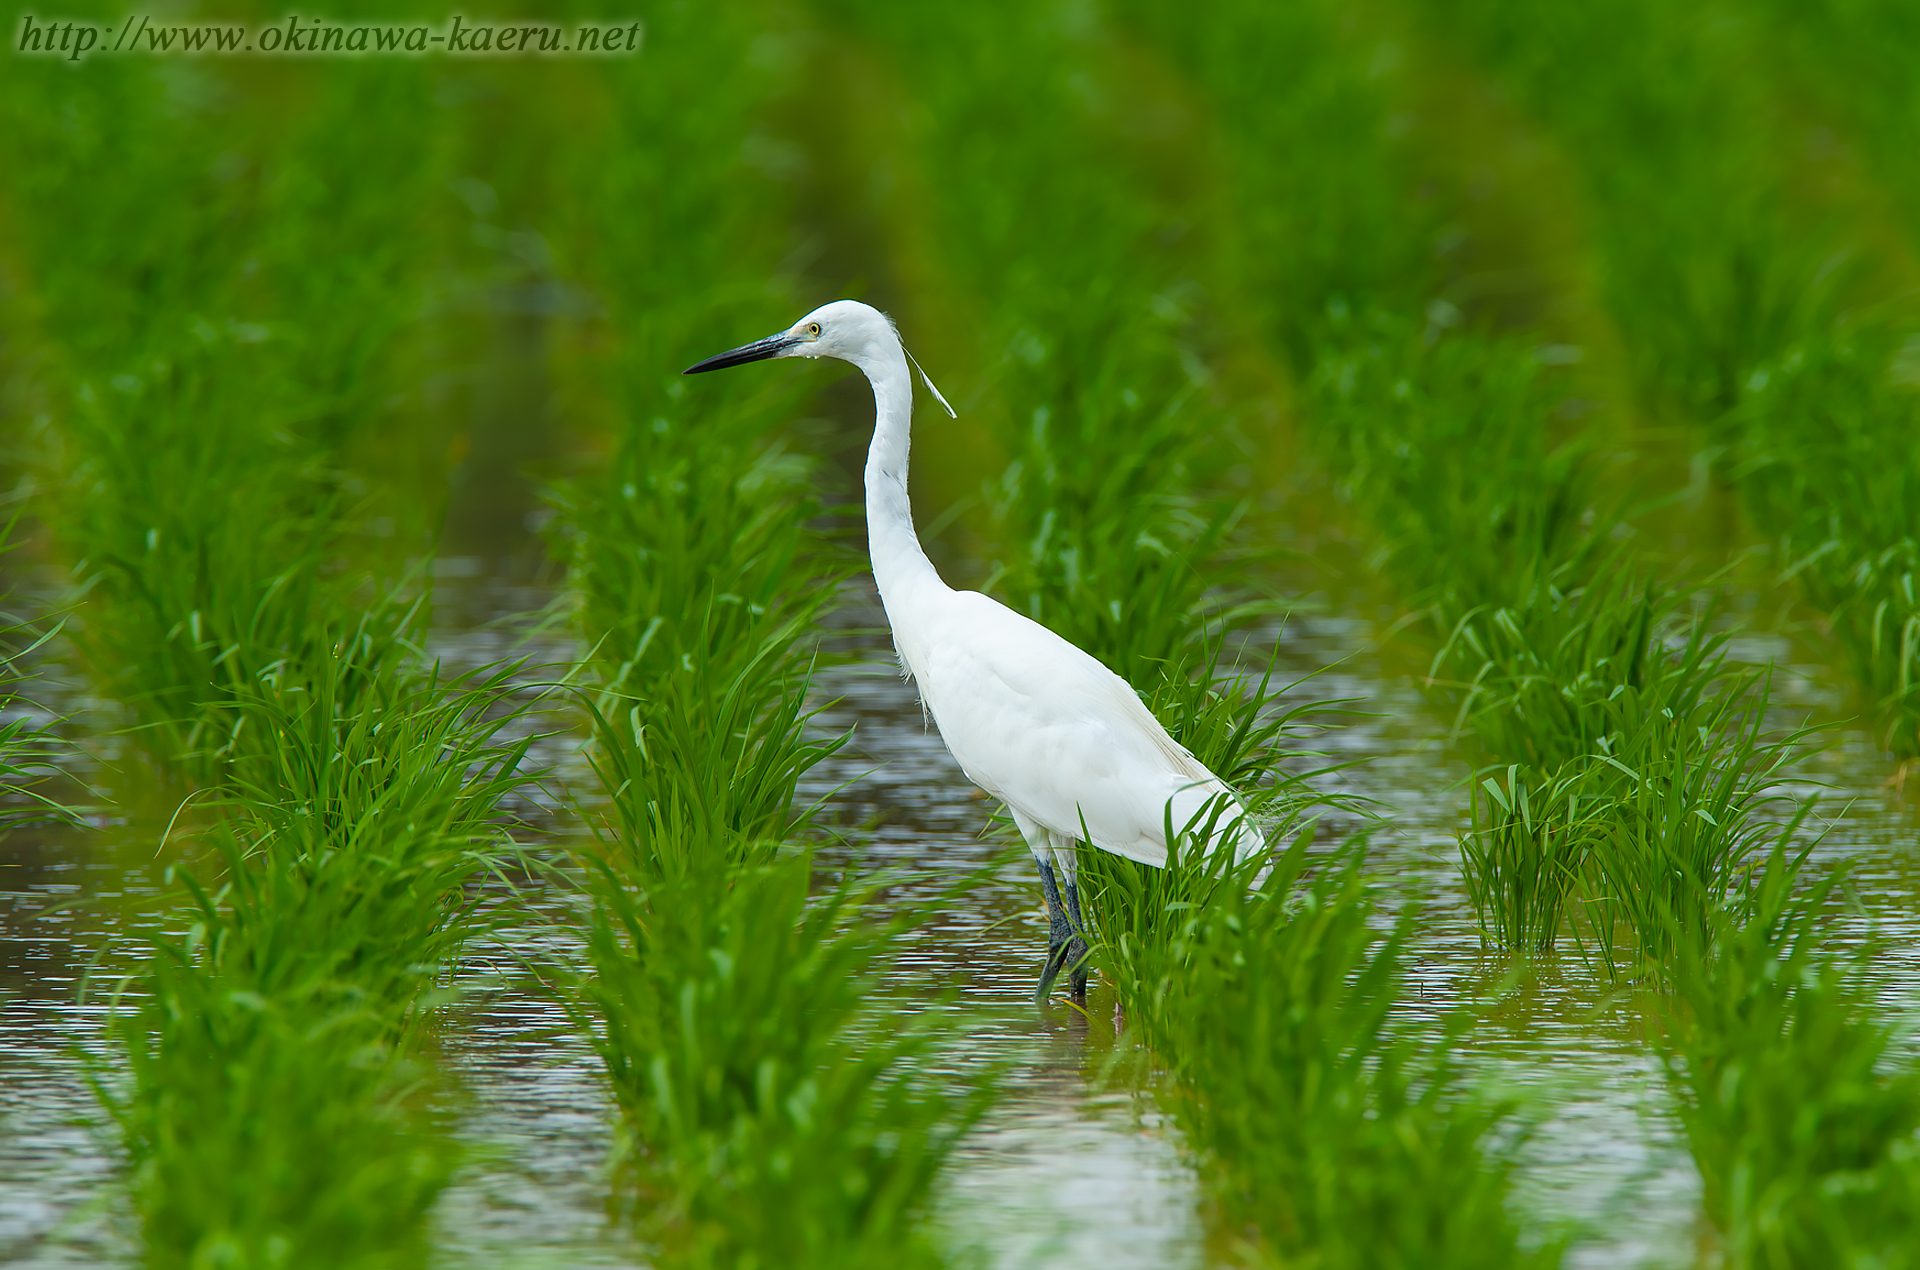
{"points": [[1069, 954], [1066, 947], [1056, 958]]}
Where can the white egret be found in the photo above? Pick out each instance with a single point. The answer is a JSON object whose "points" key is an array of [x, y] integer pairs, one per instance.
{"points": [[1039, 724]]}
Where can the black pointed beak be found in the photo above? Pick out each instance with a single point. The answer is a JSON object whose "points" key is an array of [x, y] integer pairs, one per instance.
{"points": [[759, 350]]}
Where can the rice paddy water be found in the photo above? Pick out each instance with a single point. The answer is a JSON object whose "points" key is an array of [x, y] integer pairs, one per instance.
{"points": [[1571, 967]]}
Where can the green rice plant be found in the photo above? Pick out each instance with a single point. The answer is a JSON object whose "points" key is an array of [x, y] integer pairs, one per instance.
{"points": [[1830, 462], [1556, 651], [206, 407], [679, 238], [274, 1130], [277, 1107], [699, 588], [1727, 277], [1107, 523], [1318, 213], [190, 592], [1707, 265], [723, 528], [1684, 822], [1651, 828], [1805, 1128], [771, 1116], [1852, 56], [713, 754], [1449, 445], [27, 749], [771, 1113], [1328, 1134], [1118, 557], [1525, 858], [1544, 680], [1646, 817]]}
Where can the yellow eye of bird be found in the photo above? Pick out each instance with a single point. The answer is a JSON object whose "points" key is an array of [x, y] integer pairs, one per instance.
{"points": [[813, 328]]}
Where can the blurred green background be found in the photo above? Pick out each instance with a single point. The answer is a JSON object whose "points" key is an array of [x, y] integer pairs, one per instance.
{"points": [[461, 276]]}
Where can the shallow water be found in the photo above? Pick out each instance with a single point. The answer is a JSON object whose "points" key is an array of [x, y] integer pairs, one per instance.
{"points": [[1065, 1172]]}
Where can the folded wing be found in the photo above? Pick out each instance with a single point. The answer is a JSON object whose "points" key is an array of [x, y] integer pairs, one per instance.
{"points": [[1043, 726]]}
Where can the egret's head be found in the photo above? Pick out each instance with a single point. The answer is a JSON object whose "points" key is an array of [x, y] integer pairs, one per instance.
{"points": [[846, 329]]}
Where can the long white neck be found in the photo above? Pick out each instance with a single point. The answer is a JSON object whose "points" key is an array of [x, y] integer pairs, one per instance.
{"points": [[900, 567]]}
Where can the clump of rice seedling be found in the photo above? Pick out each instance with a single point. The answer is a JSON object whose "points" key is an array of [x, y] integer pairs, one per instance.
{"points": [[1644, 836], [26, 750], [712, 754], [1676, 126], [191, 594], [1803, 1128], [1730, 288], [1683, 821], [1830, 460], [699, 585], [200, 492], [682, 518], [1319, 216], [1641, 772], [1525, 858], [1326, 1132], [272, 1122], [277, 1108], [700, 572], [1634, 764], [1449, 446], [1541, 680], [1107, 525], [770, 1115], [771, 1112], [1634, 767], [1854, 58]]}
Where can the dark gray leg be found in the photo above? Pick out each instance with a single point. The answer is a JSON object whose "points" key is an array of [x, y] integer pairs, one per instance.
{"points": [[1061, 935], [1077, 946]]}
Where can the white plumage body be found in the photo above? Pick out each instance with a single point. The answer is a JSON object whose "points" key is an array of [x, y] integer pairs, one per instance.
{"points": [[1041, 725]]}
